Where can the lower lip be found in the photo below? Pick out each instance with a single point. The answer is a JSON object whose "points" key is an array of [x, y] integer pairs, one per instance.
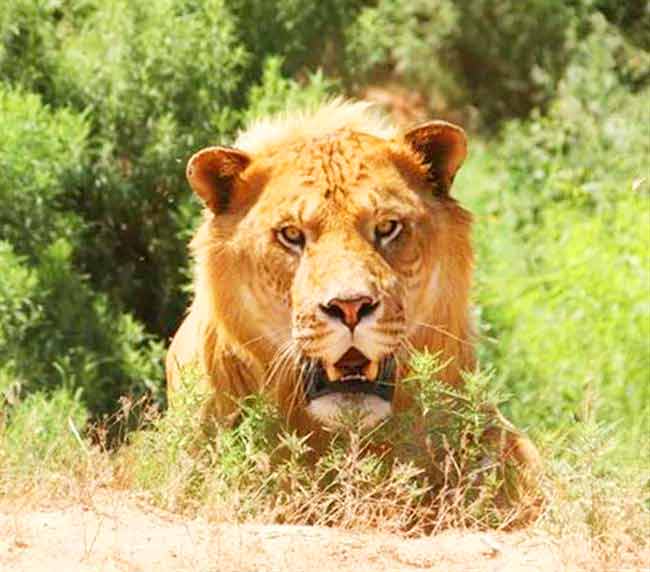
{"points": [[319, 386]]}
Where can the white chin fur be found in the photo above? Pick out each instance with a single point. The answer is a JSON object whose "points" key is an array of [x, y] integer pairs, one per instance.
{"points": [[330, 409]]}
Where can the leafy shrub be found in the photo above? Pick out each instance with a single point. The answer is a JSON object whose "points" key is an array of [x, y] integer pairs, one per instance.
{"points": [[565, 266], [18, 285], [408, 39], [27, 43], [40, 156], [277, 94], [510, 54], [502, 59], [55, 329], [306, 34], [159, 80], [632, 18]]}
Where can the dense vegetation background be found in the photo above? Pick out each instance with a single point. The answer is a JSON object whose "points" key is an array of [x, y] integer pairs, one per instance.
{"points": [[101, 104]]}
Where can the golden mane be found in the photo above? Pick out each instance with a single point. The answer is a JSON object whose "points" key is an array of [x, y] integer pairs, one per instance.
{"points": [[285, 129]]}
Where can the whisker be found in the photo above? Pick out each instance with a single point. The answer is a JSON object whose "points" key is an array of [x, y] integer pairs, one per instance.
{"points": [[306, 337], [444, 332], [297, 388], [270, 337], [278, 361], [403, 358]]}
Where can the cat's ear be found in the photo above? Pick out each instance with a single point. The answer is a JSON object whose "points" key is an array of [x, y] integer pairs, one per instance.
{"points": [[442, 147], [212, 174]]}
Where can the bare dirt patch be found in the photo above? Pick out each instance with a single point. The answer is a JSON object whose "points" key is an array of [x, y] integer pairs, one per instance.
{"points": [[117, 532]]}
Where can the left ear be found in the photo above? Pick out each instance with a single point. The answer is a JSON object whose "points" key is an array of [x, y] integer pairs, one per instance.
{"points": [[212, 174], [443, 148]]}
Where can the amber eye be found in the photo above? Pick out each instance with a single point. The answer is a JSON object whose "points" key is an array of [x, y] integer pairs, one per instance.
{"points": [[387, 230], [291, 237]]}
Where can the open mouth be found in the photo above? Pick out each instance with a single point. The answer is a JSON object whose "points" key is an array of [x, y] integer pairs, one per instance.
{"points": [[353, 373]]}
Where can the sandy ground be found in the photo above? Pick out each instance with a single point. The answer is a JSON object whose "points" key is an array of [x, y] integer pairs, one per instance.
{"points": [[115, 532]]}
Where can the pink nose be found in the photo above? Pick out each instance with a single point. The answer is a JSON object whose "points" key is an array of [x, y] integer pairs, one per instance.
{"points": [[350, 311]]}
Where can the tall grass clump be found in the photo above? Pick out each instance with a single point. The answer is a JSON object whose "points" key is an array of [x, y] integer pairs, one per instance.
{"points": [[408, 475], [43, 449], [600, 507]]}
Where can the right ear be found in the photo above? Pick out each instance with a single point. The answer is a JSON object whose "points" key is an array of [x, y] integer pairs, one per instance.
{"points": [[212, 173], [443, 148]]}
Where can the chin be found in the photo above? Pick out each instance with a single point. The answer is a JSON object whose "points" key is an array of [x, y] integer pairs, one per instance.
{"points": [[349, 410]]}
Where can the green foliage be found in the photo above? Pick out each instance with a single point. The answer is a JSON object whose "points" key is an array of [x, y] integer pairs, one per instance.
{"points": [[522, 47], [455, 416], [27, 39], [304, 33], [159, 80], [277, 94], [409, 36], [55, 329], [40, 156], [502, 59], [631, 17], [564, 248], [18, 287]]}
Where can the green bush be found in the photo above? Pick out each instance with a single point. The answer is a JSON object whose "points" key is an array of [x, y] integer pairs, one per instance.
{"points": [[408, 39], [41, 155], [565, 253], [500, 58], [306, 34], [158, 80], [631, 17], [503, 58], [277, 94], [55, 329], [18, 288]]}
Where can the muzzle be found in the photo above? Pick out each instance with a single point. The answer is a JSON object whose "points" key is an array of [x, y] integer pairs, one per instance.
{"points": [[317, 384]]}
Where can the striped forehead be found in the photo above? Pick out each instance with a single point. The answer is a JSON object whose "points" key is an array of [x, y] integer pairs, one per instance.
{"points": [[341, 175], [318, 206], [333, 164]]}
